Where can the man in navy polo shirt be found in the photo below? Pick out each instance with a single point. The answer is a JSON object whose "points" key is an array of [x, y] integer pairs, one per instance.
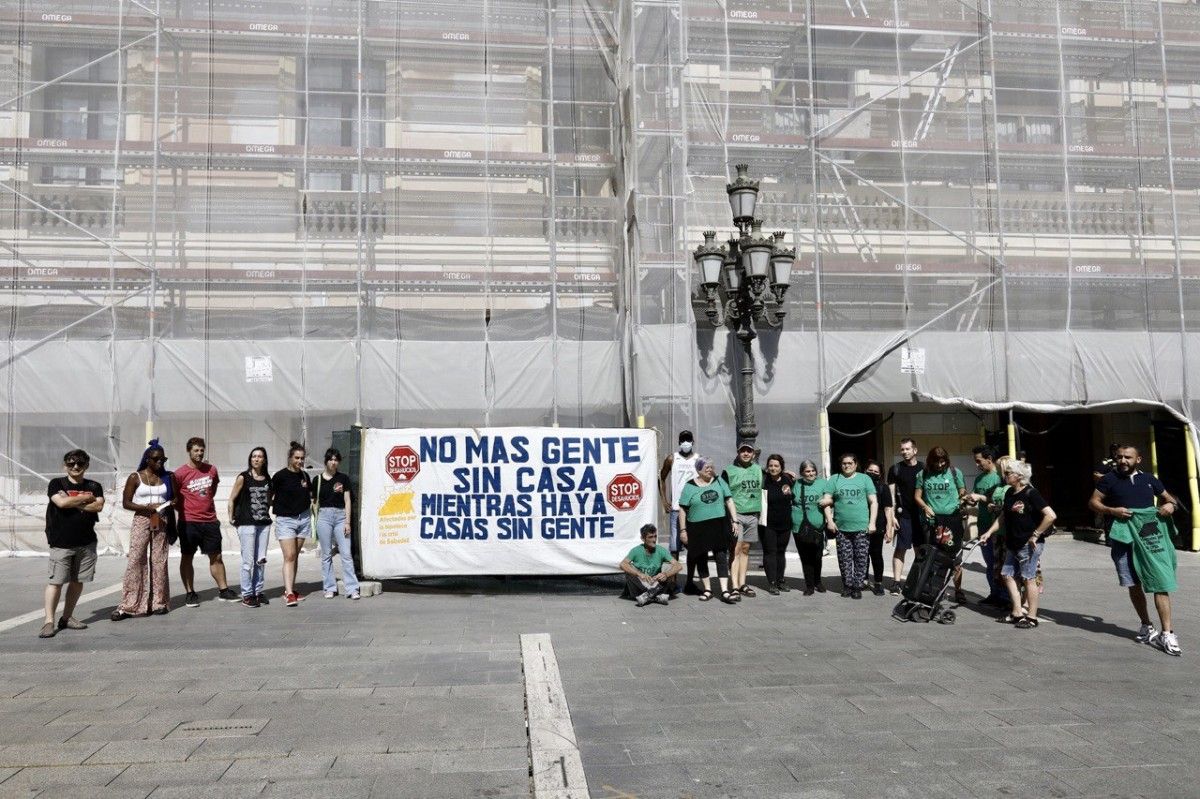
{"points": [[1118, 493]]}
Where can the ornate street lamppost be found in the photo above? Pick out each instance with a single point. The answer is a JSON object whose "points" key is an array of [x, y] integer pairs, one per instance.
{"points": [[744, 282]]}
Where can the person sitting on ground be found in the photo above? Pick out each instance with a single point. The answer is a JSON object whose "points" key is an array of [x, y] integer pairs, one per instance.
{"points": [[1027, 518], [650, 570], [1140, 540]]}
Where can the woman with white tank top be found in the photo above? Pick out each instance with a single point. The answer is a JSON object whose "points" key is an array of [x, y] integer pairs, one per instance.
{"points": [[144, 590]]}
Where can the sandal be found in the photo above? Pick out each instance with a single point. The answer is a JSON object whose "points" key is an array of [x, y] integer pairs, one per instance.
{"points": [[1027, 623], [705, 595], [747, 591], [1008, 618], [728, 597]]}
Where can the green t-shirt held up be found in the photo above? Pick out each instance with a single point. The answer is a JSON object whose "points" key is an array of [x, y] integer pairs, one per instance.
{"points": [[941, 490], [985, 484], [745, 484], [704, 502], [805, 497], [649, 563], [851, 511]]}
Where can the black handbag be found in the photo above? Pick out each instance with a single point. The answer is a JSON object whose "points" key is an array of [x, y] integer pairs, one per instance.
{"points": [[808, 533]]}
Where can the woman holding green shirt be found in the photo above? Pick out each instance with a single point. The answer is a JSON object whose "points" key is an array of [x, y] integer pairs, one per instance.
{"points": [[940, 490], [706, 501], [806, 498], [850, 508]]}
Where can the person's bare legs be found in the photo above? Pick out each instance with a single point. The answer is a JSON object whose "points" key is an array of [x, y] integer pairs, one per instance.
{"points": [[74, 590], [216, 567], [1162, 602], [187, 574], [1031, 597], [1014, 595], [898, 566], [50, 598], [291, 550], [741, 564], [1138, 598]]}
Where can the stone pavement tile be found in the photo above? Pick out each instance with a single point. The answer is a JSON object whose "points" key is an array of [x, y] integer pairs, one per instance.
{"points": [[443, 762], [144, 751], [44, 777], [67, 688], [1116, 753], [319, 789], [126, 714], [859, 744], [16, 732], [105, 731], [91, 792], [222, 790], [998, 785], [602, 733], [236, 748], [610, 754], [154, 774], [1033, 735], [1125, 780], [490, 785], [293, 767], [65, 754], [658, 780], [941, 740]]}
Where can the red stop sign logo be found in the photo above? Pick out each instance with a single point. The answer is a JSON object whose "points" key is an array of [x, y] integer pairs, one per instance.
{"points": [[402, 464], [624, 492]]}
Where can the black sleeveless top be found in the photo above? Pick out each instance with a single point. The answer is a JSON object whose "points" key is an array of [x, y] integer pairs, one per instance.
{"points": [[252, 505]]}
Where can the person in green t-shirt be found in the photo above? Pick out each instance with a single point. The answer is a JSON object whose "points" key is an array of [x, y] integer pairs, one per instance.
{"points": [[850, 508], [807, 493], [650, 570], [703, 528], [745, 480], [940, 491], [987, 482]]}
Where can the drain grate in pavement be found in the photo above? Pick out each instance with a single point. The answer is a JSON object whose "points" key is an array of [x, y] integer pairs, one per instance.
{"points": [[218, 728]]}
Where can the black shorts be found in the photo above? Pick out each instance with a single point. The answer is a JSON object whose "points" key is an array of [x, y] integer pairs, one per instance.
{"points": [[204, 536]]}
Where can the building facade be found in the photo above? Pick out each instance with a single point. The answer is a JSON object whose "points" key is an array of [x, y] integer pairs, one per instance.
{"points": [[258, 220]]}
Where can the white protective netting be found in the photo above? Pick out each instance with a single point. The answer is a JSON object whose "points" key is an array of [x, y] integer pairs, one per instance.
{"points": [[258, 220]]}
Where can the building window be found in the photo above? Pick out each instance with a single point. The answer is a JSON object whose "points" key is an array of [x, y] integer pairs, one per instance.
{"points": [[83, 107]]}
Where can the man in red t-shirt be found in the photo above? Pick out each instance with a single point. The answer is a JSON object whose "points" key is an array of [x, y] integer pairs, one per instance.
{"points": [[199, 528]]}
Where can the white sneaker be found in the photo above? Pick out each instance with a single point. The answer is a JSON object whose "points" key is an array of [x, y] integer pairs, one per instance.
{"points": [[330, 594], [355, 596], [1146, 634], [661, 599], [643, 600], [1169, 643]]}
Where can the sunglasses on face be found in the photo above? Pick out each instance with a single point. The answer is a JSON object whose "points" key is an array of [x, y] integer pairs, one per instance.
{"points": [[75, 464]]}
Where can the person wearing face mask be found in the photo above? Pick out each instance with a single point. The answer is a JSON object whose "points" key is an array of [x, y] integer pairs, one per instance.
{"points": [[677, 469], [778, 531]]}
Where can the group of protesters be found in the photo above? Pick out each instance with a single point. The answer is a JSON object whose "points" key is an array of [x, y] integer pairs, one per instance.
{"points": [[180, 506], [920, 503]]}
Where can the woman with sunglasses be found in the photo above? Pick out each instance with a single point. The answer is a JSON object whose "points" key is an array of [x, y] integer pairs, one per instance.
{"points": [[331, 491], [939, 495], [250, 514], [148, 493]]}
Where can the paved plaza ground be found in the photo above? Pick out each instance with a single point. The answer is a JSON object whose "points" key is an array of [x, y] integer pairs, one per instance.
{"points": [[419, 692]]}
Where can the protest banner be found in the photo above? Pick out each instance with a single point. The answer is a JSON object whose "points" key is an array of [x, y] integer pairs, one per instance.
{"points": [[497, 501]]}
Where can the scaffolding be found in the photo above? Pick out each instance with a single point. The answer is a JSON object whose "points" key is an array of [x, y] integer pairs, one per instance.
{"points": [[258, 220]]}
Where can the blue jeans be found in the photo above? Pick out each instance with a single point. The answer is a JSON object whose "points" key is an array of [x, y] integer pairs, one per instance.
{"points": [[293, 526], [989, 564], [330, 524], [1023, 563], [673, 531], [254, 557]]}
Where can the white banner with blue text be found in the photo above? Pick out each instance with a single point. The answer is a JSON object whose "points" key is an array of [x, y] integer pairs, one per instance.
{"points": [[507, 500]]}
